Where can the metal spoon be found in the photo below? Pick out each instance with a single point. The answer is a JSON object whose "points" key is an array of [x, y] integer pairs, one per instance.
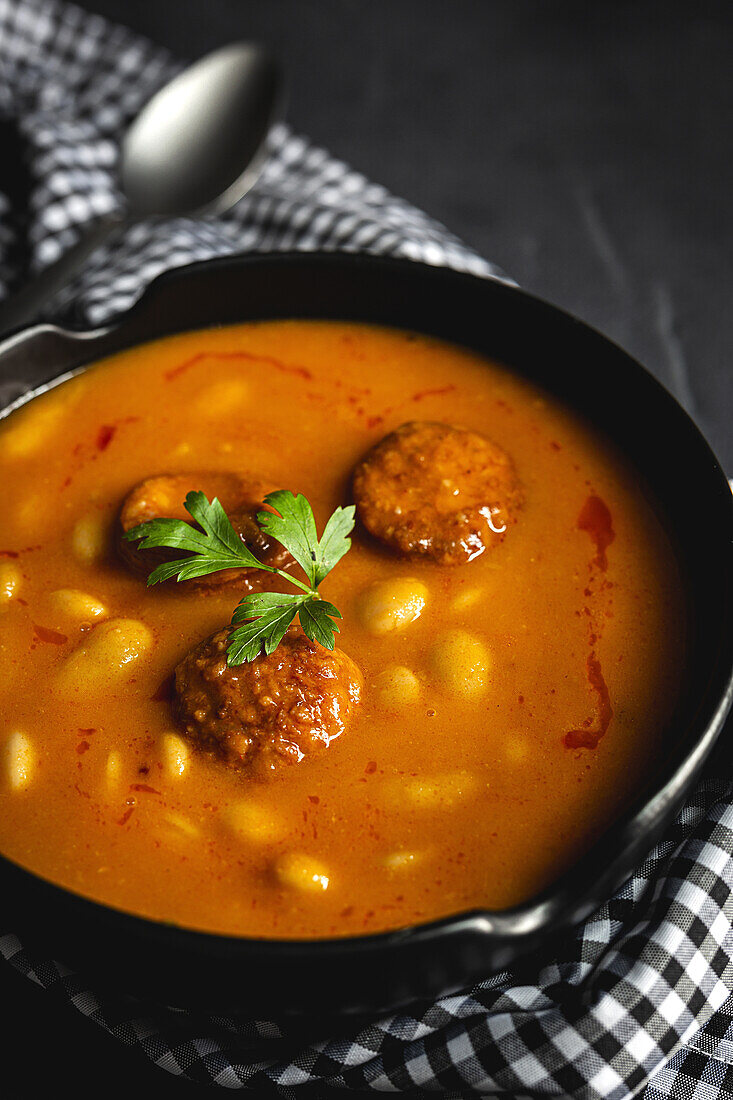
{"points": [[196, 147]]}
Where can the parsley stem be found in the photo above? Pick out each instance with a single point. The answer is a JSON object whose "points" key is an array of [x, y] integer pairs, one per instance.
{"points": [[292, 580]]}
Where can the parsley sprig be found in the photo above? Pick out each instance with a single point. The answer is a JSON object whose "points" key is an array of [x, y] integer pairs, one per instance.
{"points": [[261, 619]]}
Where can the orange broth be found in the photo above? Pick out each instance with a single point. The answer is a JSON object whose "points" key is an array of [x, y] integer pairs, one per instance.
{"points": [[425, 806]]}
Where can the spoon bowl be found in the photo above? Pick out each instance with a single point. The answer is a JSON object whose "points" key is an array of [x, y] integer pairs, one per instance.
{"points": [[196, 147], [198, 144]]}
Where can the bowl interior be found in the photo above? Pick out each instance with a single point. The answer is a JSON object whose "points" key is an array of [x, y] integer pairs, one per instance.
{"points": [[679, 474]]}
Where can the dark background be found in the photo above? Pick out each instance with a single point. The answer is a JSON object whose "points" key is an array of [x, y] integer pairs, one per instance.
{"points": [[587, 148]]}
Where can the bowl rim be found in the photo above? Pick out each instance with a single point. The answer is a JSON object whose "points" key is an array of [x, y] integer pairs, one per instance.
{"points": [[544, 911]]}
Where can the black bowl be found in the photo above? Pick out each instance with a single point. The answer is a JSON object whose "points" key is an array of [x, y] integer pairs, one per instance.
{"points": [[682, 478]]}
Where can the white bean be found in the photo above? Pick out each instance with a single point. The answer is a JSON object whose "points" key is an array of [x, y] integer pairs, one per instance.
{"points": [[89, 537], [32, 429], [20, 760], [113, 769], [466, 599], [460, 663], [300, 872], [28, 519], [10, 579], [176, 754], [399, 861], [396, 687], [392, 604], [180, 826], [437, 791], [109, 652], [222, 397], [256, 822], [72, 607]]}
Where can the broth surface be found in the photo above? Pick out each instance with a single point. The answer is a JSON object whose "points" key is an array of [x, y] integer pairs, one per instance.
{"points": [[438, 798]]}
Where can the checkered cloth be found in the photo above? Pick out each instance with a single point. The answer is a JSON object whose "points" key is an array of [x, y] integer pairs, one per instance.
{"points": [[637, 1000]]}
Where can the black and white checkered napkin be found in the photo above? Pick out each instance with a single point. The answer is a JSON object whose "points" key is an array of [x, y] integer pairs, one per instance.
{"points": [[640, 993]]}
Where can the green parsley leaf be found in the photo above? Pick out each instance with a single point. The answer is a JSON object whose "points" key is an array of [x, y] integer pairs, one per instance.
{"points": [[317, 622], [334, 543], [217, 546], [261, 619], [265, 629], [295, 528]]}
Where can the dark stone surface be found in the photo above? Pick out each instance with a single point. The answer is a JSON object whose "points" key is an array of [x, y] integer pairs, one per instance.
{"points": [[586, 148]]}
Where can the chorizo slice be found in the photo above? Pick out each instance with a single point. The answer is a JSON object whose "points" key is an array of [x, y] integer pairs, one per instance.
{"points": [[270, 713], [241, 497], [436, 491]]}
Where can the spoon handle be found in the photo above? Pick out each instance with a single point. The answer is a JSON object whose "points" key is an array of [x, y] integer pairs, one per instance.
{"points": [[22, 308]]}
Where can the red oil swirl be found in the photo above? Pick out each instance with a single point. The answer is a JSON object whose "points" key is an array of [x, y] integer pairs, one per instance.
{"points": [[595, 518]]}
